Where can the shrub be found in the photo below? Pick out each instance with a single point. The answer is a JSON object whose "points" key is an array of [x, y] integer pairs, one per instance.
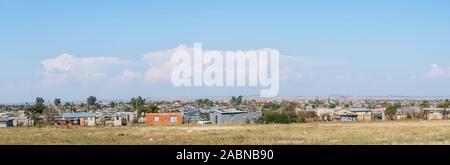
{"points": [[274, 117]]}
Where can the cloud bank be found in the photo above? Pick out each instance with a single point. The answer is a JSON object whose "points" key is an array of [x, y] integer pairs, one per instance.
{"points": [[67, 68], [73, 76], [437, 72]]}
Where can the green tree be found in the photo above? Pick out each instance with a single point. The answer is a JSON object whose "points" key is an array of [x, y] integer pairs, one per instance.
{"points": [[274, 117], [331, 105], [37, 108], [304, 115], [152, 108], [204, 116], [273, 106], [204, 103], [444, 105], [39, 105], [240, 100], [424, 104], [137, 102], [208, 103], [288, 107], [72, 107], [398, 105], [66, 105], [57, 102], [236, 100], [91, 100], [391, 111], [112, 104], [39, 100]]}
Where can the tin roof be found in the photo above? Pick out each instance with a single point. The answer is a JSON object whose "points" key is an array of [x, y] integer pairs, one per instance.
{"points": [[77, 115], [359, 110], [230, 111]]}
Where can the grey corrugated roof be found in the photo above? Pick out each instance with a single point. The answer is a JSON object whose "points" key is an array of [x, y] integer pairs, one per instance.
{"points": [[358, 110], [77, 115], [231, 112]]}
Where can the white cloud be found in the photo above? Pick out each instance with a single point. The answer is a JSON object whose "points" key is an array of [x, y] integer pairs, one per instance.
{"points": [[126, 77], [437, 72], [291, 67], [68, 68], [160, 65], [62, 63]]}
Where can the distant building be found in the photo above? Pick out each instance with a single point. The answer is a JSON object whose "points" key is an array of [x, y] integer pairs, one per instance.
{"points": [[6, 123], [195, 115], [122, 118], [344, 115], [192, 117], [325, 114], [433, 115], [119, 120], [353, 114], [164, 118], [363, 114], [78, 118], [378, 114], [22, 121], [233, 117], [348, 118], [400, 114]]}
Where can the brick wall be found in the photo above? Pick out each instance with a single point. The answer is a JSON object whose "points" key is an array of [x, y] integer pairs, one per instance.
{"points": [[164, 118]]}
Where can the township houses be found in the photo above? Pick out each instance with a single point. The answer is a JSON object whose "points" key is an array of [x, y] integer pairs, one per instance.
{"points": [[24, 121], [21, 119], [122, 118], [191, 116], [15, 119], [325, 114], [118, 120], [400, 114], [233, 117], [6, 123], [378, 114], [195, 116], [78, 118], [164, 118], [434, 113], [93, 119], [353, 114], [345, 115], [362, 114]]}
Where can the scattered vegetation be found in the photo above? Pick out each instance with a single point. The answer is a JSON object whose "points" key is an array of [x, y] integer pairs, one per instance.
{"points": [[390, 132]]}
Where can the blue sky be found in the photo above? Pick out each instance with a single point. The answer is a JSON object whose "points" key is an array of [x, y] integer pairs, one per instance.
{"points": [[371, 47]]}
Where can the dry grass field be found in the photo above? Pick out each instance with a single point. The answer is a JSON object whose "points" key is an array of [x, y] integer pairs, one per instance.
{"points": [[392, 132]]}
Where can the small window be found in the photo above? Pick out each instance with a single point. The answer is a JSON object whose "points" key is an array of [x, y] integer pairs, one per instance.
{"points": [[173, 119], [156, 118]]}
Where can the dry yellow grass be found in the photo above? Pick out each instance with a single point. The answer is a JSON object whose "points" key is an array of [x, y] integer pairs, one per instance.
{"points": [[392, 132]]}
